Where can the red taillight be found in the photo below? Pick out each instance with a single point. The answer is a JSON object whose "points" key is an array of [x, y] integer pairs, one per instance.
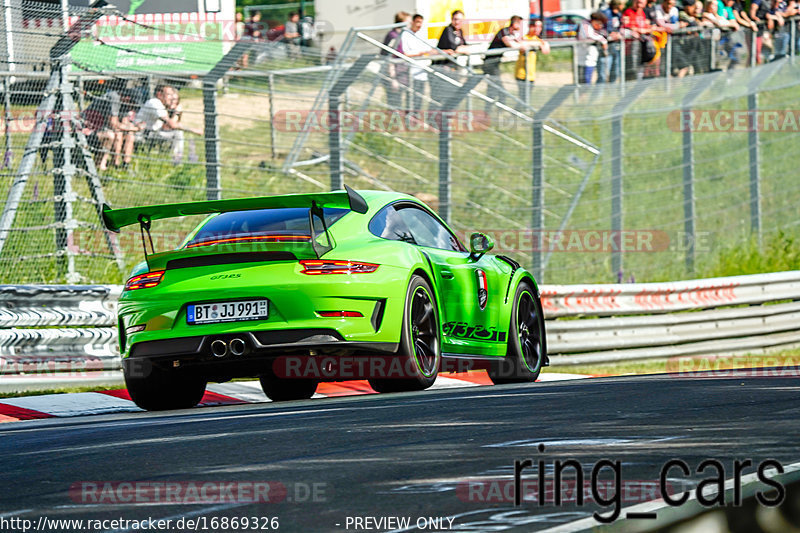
{"points": [[144, 281], [340, 314], [321, 266]]}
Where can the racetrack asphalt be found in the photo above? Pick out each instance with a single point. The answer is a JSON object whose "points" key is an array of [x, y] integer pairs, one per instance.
{"points": [[408, 456]]}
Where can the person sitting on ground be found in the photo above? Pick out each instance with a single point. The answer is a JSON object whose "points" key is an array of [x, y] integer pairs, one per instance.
{"points": [[154, 115], [106, 127]]}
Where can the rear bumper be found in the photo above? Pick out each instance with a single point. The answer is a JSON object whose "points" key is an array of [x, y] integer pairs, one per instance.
{"points": [[193, 354]]}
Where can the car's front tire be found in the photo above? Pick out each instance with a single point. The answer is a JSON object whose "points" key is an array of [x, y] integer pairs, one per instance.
{"points": [[420, 353], [525, 354], [155, 389]]}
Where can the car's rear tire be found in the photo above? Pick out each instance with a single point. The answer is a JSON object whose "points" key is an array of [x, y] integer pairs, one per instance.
{"points": [[284, 389], [525, 354], [420, 353], [155, 389]]}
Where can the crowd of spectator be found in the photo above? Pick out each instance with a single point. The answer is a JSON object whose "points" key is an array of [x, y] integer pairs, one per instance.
{"points": [[117, 122], [642, 27]]}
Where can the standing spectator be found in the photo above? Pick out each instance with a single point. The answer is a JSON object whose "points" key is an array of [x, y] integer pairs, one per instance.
{"points": [[635, 20], [415, 46], [588, 52], [394, 74], [741, 14], [609, 66], [291, 35], [451, 42], [154, 115], [765, 11], [508, 37], [525, 71], [667, 16]]}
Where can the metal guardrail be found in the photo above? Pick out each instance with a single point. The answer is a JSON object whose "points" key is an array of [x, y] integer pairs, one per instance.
{"points": [[52, 328]]}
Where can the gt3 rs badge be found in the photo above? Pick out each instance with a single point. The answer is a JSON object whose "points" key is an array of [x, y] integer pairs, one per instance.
{"points": [[483, 293]]}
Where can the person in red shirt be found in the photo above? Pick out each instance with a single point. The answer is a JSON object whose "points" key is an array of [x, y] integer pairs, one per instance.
{"points": [[634, 19]]}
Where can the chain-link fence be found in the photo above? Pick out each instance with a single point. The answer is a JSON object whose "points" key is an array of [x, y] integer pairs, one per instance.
{"points": [[650, 179]]}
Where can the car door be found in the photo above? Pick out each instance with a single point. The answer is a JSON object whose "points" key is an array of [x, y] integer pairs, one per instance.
{"points": [[465, 285]]}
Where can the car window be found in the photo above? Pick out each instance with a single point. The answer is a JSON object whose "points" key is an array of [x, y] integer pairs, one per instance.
{"points": [[288, 221], [387, 224], [427, 231]]}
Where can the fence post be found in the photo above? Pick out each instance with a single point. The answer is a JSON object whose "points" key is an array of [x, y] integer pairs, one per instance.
{"points": [[617, 172], [445, 137], [212, 144], [335, 150], [688, 197], [211, 127], [537, 218], [335, 141], [753, 48], [272, 136], [668, 58], [755, 179], [575, 76], [537, 176], [622, 62]]}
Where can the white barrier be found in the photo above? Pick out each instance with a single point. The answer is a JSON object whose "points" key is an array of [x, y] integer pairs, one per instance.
{"points": [[53, 327]]}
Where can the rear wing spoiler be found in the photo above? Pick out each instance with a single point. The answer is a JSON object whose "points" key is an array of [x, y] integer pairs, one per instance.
{"points": [[115, 219]]}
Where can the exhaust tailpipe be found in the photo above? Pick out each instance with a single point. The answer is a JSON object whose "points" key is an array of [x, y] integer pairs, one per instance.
{"points": [[219, 348], [237, 346]]}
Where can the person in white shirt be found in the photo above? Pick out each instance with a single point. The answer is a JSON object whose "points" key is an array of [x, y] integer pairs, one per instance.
{"points": [[588, 52], [667, 15], [414, 45], [155, 114]]}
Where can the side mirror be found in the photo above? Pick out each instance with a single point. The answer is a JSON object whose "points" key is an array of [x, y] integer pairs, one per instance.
{"points": [[479, 244]]}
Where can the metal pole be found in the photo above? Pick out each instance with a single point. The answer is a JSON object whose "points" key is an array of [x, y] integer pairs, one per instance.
{"points": [[537, 219], [668, 58], [272, 134], [29, 157], [688, 197], [9, 29], [575, 79], [335, 142], [81, 93], [753, 49], [793, 37], [445, 171], [211, 134], [616, 193], [65, 14], [622, 63], [755, 179], [63, 172]]}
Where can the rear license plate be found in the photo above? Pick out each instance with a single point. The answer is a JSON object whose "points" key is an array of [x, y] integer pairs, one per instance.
{"points": [[227, 311]]}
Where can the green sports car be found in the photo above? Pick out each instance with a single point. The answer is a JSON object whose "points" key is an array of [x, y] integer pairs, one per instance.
{"points": [[319, 277]]}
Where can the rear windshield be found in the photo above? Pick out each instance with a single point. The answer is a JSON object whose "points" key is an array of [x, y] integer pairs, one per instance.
{"points": [[262, 225]]}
